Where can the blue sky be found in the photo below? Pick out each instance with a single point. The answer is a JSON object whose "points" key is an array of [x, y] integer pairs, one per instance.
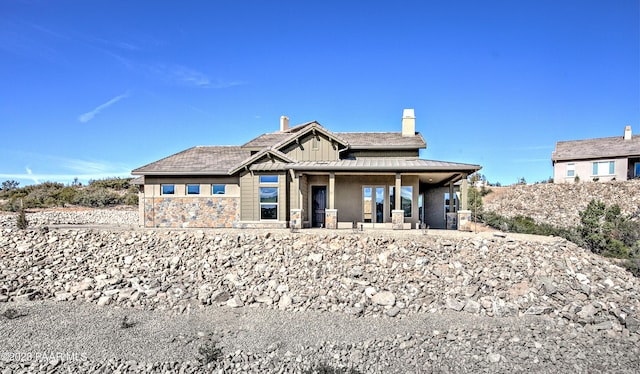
{"points": [[94, 89]]}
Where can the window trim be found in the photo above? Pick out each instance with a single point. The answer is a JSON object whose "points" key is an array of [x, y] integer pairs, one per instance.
{"points": [[192, 185], [392, 201], [213, 188], [595, 168], [162, 189], [448, 206], [268, 203], [269, 181], [571, 170]]}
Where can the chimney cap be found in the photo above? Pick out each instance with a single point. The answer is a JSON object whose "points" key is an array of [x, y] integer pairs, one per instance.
{"points": [[627, 132], [284, 123], [408, 113]]}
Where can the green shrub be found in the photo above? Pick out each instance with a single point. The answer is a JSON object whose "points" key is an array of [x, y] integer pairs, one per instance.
{"points": [[323, 368], [118, 184], [633, 266], [209, 353], [21, 220], [131, 198]]}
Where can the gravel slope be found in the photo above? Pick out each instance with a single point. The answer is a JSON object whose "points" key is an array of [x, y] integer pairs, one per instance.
{"points": [[83, 336]]}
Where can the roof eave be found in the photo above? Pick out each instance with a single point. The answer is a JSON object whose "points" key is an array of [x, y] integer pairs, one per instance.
{"points": [[169, 172], [466, 168]]}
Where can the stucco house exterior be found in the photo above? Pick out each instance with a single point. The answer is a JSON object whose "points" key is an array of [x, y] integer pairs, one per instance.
{"points": [[306, 176], [599, 159]]}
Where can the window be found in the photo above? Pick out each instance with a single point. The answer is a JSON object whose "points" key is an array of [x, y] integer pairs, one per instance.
{"points": [[268, 198], [571, 170], [168, 189], [604, 168], [268, 202], [448, 208], [218, 189], [193, 189], [406, 199], [637, 170], [268, 179]]}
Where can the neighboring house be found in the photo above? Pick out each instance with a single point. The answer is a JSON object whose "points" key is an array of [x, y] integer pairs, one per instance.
{"points": [[305, 176], [600, 159]]}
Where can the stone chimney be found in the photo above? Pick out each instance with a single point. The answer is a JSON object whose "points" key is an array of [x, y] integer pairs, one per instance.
{"points": [[408, 123], [627, 133], [284, 123]]}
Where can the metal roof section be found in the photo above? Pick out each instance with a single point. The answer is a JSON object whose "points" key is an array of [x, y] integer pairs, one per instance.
{"points": [[383, 164]]}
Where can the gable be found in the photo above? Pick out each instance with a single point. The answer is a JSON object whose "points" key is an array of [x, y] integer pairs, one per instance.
{"points": [[313, 147]]}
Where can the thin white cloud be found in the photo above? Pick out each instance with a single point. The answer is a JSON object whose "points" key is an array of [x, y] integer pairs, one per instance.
{"points": [[30, 174], [86, 117], [182, 75], [69, 169]]}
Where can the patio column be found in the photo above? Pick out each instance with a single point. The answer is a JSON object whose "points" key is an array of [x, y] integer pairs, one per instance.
{"points": [[295, 217], [463, 194], [397, 215], [398, 201], [331, 214], [332, 189], [464, 215]]}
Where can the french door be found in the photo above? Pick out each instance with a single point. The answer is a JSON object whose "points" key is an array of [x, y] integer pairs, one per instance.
{"points": [[373, 198]]}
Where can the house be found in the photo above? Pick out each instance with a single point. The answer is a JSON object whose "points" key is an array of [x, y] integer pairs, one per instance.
{"points": [[306, 176], [600, 159]]}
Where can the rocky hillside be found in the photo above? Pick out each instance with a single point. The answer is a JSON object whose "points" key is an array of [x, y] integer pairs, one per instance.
{"points": [[559, 204], [123, 216], [364, 275]]}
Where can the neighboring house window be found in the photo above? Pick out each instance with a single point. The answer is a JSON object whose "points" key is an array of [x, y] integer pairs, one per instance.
{"points": [[604, 168], [168, 189], [268, 198], [571, 170], [193, 189], [218, 189], [406, 199]]}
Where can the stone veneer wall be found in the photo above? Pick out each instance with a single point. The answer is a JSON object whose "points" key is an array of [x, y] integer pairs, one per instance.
{"points": [[192, 212]]}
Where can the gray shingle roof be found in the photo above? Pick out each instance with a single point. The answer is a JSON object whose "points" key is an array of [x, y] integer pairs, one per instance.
{"points": [[356, 140], [266, 140], [382, 139], [596, 148], [206, 160]]}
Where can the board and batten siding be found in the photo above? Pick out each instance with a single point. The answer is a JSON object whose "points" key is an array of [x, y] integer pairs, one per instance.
{"points": [[323, 150]]}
